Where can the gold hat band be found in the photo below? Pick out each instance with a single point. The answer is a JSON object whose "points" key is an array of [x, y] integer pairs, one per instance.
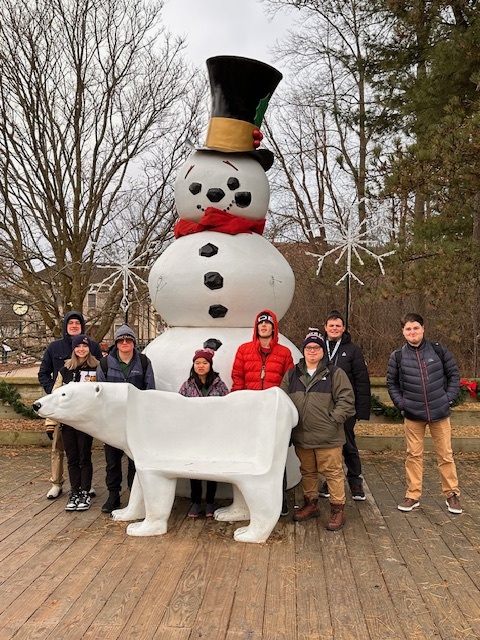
{"points": [[229, 134]]}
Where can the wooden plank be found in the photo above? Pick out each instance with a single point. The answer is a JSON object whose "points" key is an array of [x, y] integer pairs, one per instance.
{"points": [[280, 602], [247, 614], [213, 617], [379, 613], [313, 612]]}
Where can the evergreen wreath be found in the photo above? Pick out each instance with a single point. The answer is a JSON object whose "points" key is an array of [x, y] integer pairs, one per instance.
{"points": [[9, 395]]}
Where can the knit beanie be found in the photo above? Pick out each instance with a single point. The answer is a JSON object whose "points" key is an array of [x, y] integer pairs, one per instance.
{"points": [[124, 332], [81, 339], [314, 336], [204, 353], [265, 317], [334, 315]]}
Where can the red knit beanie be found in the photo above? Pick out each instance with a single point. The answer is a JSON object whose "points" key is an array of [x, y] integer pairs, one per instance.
{"points": [[204, 353]]}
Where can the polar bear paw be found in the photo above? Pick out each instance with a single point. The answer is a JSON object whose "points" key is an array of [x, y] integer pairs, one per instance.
{"points": [[126, 514], [145, 528], [248, 534], [232, 513]]}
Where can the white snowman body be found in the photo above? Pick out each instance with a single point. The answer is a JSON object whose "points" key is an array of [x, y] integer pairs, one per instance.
{"points": [[209, 286]]}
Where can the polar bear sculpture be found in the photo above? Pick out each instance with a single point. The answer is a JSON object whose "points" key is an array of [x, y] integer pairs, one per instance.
{"points": [[241, 438]]}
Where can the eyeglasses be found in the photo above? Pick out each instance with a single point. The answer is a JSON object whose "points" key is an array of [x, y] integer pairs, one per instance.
{"points": [[312, 348], [125, 340]]}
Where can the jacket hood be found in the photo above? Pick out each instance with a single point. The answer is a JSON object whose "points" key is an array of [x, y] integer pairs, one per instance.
{"points": [[255, 337], [68, 316]]}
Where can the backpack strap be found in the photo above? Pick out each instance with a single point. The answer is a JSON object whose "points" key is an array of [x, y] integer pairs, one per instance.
{"points": [[104, 365]]}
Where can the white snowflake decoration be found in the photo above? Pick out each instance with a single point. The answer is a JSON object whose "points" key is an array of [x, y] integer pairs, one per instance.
{"points": [[352, 240]]}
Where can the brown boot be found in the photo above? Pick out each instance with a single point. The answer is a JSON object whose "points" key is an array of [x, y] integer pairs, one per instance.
{"points": [[337, 517], [309, 510]]}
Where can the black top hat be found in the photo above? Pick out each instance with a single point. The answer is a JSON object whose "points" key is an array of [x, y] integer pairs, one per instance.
{"points": [[241, 89]]}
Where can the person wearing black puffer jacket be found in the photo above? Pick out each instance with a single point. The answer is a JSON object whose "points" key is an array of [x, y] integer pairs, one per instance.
{"points": [[423, 381], [343, 353], [53, 360]]}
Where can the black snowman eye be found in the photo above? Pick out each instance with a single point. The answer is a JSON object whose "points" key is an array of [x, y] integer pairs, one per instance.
{"points": [[233, 183], [195, 188]]}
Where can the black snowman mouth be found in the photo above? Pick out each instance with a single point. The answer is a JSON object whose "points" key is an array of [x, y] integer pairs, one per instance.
{"points": [[242, 200]]}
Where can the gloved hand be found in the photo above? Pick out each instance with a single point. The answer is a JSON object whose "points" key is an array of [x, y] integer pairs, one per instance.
{"points": [[49, 433]]}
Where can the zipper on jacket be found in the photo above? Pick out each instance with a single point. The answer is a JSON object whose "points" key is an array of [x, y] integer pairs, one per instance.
{"points": [[423, 374]]}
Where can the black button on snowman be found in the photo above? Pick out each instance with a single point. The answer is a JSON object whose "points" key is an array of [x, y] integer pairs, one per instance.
{"points": [[211, 282]]}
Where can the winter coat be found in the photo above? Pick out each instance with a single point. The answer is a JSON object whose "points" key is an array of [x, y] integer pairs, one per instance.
{"points": [[349, 357], [256, 371], [60, 350], [136, 375], [189, 388], [323, 405], [427, 386]]}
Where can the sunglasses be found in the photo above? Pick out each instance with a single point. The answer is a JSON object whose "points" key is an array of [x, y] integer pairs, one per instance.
{"points": [[125, 340]]}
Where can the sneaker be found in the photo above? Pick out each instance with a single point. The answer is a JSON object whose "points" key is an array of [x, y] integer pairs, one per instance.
{"points": [[209, 510], [408, 504], [453, 504], [356, 489], [194, 510], [113, 502], [84, 501], [72, 502], [55, 491], [323, 492]]}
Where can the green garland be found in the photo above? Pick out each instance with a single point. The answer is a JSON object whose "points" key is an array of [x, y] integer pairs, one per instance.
{"points": [[9, 395], [381, 409]]}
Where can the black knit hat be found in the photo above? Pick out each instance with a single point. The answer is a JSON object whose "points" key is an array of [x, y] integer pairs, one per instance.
{"points": [[333, 315], [314, 336]]}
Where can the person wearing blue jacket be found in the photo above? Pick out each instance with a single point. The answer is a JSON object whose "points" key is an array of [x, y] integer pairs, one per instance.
{"points": [[53, 360], [423, 381], [123, 364]]}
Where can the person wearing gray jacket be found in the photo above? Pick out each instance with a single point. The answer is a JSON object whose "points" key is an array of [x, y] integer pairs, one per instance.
{"points": [[423, 382], [324, 399]]}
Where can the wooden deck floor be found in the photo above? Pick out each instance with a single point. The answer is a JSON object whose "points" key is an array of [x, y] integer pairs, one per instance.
{"points": [[385, 575]]}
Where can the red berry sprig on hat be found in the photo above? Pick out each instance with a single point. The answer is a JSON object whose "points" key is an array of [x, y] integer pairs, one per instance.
{"points": [[257, 138]]}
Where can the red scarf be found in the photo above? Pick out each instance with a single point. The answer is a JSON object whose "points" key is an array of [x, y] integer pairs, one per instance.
{"points": [[221, 221]]}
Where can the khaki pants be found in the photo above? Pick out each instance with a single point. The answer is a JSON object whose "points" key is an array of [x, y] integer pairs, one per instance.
{"points": [[442, 441], [329, 463], [57, 457]]}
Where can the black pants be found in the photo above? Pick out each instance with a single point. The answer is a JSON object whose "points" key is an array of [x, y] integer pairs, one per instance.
{"points": [[196, 491], [350, 451], [78, 447], [113, 479]]}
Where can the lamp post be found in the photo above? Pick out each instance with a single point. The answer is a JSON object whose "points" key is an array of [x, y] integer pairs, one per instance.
{"points": [[20, 308]]}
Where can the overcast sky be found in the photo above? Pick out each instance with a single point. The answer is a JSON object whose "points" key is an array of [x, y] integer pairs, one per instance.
{"points": [[225, 27]]}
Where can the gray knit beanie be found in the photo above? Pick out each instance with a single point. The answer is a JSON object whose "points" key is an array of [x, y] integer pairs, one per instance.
{"points": [[124, 332]]}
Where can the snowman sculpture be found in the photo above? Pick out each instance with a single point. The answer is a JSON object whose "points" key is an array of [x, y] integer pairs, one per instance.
{"points": [[211, 282]]}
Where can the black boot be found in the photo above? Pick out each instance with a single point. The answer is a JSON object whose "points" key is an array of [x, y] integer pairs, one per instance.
{"points": [[112, 503]]}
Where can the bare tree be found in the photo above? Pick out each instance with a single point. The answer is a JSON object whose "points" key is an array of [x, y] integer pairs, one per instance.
{"points": [[329, 53], [96, 104]]}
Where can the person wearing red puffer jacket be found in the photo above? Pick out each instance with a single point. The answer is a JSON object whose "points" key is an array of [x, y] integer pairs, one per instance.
{"points": [[261, 364]]}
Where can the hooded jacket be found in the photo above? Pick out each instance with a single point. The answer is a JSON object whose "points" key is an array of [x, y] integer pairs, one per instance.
{"points": [[427, 387], [255, 370], [349, 357], [324, 404], [60, 350]]}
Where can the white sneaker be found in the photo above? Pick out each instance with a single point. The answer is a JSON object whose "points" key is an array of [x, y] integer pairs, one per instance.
{"points": [[83, 501], [55, 491]]}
